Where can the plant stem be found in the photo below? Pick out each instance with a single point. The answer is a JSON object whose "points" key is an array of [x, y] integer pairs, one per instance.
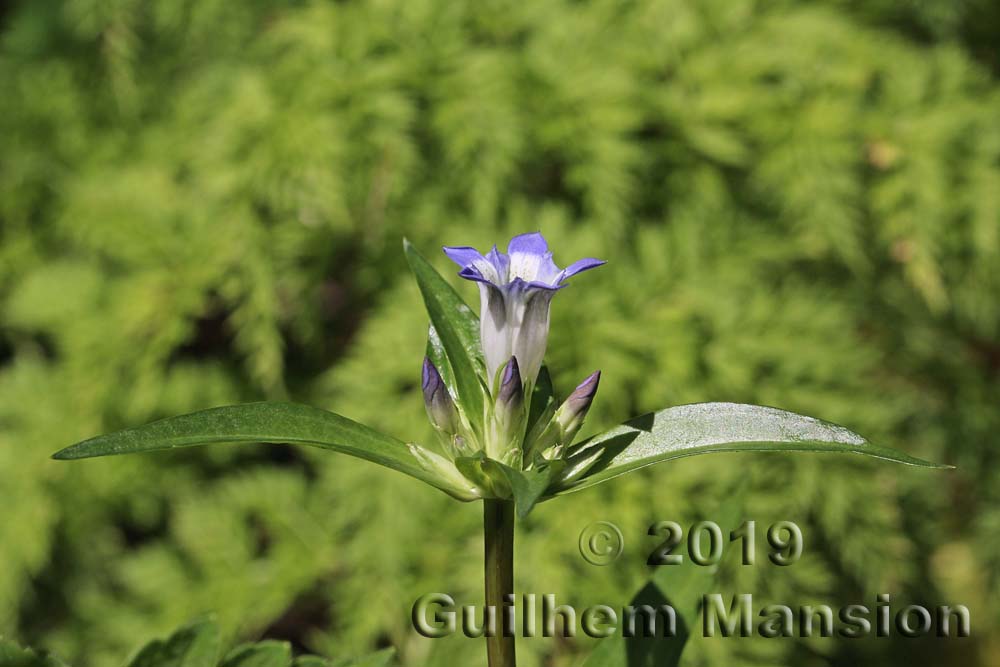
{"points": [[498, 526]]}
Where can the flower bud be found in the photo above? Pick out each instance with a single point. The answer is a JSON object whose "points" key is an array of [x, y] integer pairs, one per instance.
{"points": [[572, 412], [558, 432], [506, 428], [440, 408], [511, 394]]}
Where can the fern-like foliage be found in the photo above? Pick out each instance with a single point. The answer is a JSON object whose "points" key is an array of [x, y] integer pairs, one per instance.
{"points": [[202, 203], [198, 644]]}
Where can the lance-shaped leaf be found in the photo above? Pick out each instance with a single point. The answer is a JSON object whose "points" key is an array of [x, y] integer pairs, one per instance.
{"points": [[283, 423], [435, 352], [704, 428], [457, 331]]}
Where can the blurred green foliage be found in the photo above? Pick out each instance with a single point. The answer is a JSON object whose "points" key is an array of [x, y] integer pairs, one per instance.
{"points": [[198, 644], [203, 202]]}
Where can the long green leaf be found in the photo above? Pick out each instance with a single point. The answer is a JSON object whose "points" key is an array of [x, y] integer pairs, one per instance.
{"points": [[284, 423], [704, 428], [457, 329]]}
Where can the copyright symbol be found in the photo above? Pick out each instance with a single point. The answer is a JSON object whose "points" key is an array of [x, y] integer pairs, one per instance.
{"points": [[601, 543]]}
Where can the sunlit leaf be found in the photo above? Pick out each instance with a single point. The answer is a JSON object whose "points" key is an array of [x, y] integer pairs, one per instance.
{"points": [[284, 423], [704, 428]]}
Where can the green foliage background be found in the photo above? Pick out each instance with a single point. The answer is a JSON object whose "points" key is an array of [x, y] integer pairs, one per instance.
{"points": [[203, 202]]}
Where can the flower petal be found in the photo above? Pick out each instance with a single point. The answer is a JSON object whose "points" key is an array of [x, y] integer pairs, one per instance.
{"points": [[532, 332], [494, 328], [489, 269], [462, 255], [500, 263], [532, 243], [522, 286], [579, 266], [531, 260], [473, 273]]}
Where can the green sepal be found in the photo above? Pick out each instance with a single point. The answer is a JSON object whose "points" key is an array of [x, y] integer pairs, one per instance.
{"points": [[451, 480], [499, 480], [527, 487], [479, 470]]}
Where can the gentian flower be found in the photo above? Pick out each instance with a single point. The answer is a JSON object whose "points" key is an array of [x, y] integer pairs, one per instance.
{"points": [[516, 289]]}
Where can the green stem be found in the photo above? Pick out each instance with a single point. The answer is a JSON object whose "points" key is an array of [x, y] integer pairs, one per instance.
{"points": [[498, 526]]}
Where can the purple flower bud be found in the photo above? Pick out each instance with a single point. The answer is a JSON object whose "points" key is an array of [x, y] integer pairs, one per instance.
{"points": [[575, 408], [506, 426], [511, 392], [569, 418], [440, 408]]}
